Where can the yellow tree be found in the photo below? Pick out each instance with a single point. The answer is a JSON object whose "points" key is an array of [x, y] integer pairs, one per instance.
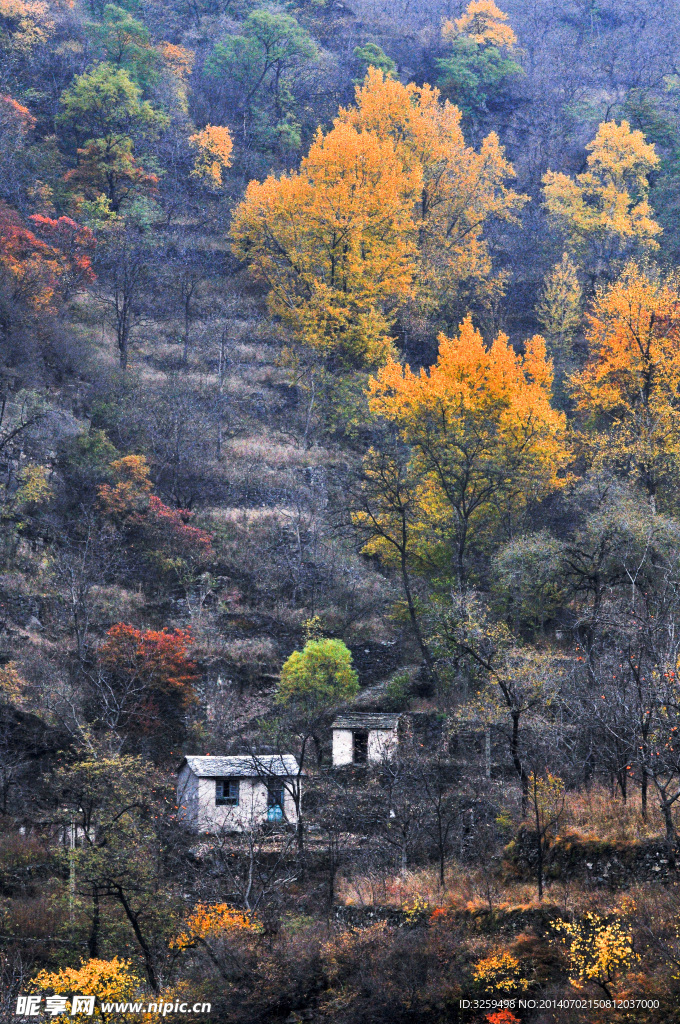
{"points": [[213, 146], [559, 310], [631, 383], [390, 205], [106, 980], [604, 213], [461, 189], [335, 243], [483, 436], [599, 950], [482, 21]]}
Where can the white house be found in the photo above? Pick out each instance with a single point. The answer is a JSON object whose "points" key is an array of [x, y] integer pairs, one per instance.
{"points": [[364, 737], [234, 793]]}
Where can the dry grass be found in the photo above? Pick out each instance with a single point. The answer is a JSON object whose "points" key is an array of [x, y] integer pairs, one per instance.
{"points": [[596, 813]]}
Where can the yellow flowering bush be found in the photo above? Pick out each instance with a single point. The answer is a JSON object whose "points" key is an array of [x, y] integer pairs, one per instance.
{"points": [[598, 951], [500, 972], [108, 980], [214, 921]]}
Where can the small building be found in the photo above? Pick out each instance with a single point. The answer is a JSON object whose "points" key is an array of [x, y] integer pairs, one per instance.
{"points": [[365, 737], [230, 794]]}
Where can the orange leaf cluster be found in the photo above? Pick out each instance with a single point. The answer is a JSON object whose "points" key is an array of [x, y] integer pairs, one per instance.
{"points": [[130, 499], [214, 921], [40, 269], [389, 206], [481, 431], [214, 147], [631, 382], [484, 22], [157, 658]]}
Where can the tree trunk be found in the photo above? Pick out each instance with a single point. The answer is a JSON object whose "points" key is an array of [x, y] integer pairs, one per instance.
{"points": [[93, 939]]}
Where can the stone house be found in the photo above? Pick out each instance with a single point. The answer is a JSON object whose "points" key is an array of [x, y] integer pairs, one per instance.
{"points": [[231, 794], [365, 737]]}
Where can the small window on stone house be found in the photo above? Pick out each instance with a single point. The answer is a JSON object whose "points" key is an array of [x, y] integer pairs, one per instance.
{"points": [[226, 792]]}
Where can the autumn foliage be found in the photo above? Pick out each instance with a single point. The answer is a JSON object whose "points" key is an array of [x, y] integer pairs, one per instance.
{"points": [[43, 265], [484, 22], [630, 385], [130, 501], [605, 212], [212, 921], [481, 431], [154, 671], [388, 207], [213, 146], [104, 979]]}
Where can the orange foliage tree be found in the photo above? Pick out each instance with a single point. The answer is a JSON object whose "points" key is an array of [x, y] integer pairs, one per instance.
{"points": [[390, 205], [42, 265], [130, 501], [154, 672], [482, 435], [76, 243], [104, 979], [629, 391], [461, 190], [211, 920], [213, 147], [604, 213], [484, 22], [335, 243]]}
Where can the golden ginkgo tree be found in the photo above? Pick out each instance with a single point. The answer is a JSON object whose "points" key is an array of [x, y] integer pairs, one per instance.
{"points": [[388, 207], [483, 437], [604, 213], [628, 393]]}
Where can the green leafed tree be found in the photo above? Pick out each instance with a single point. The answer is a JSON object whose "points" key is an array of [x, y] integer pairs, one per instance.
{"points": [[318, 676], [125, 43], [254, 74], [103, 113]]}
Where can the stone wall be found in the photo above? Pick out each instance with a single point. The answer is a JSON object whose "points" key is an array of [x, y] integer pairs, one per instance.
{"points": [[616, 864]]}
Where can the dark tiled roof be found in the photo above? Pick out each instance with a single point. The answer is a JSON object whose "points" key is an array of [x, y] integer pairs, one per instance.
{"points": [[243, 765], [366, 720]]}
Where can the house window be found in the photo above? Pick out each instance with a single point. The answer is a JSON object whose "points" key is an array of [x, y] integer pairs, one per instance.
{"points": [[274, 801], [226, 792], [360, 746]]}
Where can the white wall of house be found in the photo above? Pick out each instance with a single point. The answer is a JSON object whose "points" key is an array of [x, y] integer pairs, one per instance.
{"points": [[187, 796], [205, 815], [382, 743], [343, 746]]}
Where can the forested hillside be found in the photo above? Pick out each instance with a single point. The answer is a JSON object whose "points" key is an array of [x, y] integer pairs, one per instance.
{"points": [[339, 471]]}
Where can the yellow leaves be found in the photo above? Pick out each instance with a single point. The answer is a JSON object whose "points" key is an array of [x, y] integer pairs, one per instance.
{"points": [[388, 207], [500, 972], [547, 795], [12, 685], [621, 156], [461, 189], [632, 378], [132, 486], [607, 205], [335, 242], [27, 24], [34, 487], [559, 308], [177, 59], [480, 428], [482, 21], [598, 950], [105, 979], [215, 921], [214, 147]]}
